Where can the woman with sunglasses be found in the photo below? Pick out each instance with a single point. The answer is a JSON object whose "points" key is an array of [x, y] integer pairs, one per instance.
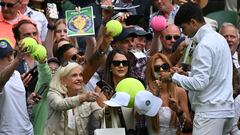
{"points": [[174, 114], [70, 107], [116, 69]]}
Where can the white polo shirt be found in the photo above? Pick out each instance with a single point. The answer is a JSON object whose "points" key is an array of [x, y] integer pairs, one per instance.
{"points": [[14, 119]]}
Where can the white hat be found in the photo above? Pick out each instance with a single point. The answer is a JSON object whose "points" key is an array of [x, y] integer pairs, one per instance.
{"points": [[146, 103], [118, 99]]}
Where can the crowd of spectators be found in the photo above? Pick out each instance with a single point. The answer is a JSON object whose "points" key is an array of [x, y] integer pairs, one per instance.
{"points": [[59, 95]]}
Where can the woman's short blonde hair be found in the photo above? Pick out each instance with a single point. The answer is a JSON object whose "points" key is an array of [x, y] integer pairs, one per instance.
{"points": [[63, 71]]}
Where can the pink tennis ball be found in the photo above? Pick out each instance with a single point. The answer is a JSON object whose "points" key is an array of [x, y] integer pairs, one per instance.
{"points": [[40, 54], [115, 27], [158, 23]]}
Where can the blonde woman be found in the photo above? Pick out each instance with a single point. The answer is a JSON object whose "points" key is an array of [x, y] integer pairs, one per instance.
{"points": [[174, 113], [70, 106]]}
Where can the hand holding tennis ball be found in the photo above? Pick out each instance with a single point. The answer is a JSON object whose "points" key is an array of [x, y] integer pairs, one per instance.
{"points": [[114, 27], [29, 45], [158, 23], [40, 54]]}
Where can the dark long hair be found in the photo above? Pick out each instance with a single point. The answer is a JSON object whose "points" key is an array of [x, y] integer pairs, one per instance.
{"points": [[107, 75]]}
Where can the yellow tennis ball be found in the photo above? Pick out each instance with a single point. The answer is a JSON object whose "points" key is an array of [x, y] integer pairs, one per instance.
{"points": [[29, 44], [131, 86], [40, 54], [115, 27]]}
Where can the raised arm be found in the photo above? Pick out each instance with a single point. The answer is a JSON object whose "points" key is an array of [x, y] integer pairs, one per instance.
{"points": [[58, 102], [97, 58], [90, 47], [6, 72], [156, 44]]}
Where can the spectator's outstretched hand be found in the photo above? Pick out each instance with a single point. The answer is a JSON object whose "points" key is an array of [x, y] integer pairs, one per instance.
{"points": [[107, 13], [51, 21], [122, 17], [26, 78], [176, 56], [106, 41], [33, 98], [91, 96], [179, 70]]}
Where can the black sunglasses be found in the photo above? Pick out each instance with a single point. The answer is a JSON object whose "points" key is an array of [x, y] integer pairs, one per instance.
{"points": [[74, 57], [164, 66], [169, 37], [117, 63], [9, 5]]}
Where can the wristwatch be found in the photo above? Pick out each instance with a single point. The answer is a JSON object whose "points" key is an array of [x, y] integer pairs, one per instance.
{"points": [[100, 52]]}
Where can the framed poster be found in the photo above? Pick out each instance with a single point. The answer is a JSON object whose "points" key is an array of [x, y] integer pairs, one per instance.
{"points": [[80, 23]]}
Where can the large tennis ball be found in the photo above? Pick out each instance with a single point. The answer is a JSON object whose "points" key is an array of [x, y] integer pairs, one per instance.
{"points": [[158, 23], [40, 54], [131, 86], [115, 27], [29, 45]]}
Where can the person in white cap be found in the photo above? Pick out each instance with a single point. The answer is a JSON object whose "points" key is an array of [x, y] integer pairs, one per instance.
{"points": [[146, 103], [173, 115]]}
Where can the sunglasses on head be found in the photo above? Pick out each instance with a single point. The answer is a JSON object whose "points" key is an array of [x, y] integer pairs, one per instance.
{"points": [[169, 37], [74, 57], [164, 66], [9, 5], [117, 63], [64, 63]]}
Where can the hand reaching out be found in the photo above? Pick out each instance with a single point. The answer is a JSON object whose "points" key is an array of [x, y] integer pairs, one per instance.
{"points": [[33, 98], [26, 78], [106, 41], [91, 96]]}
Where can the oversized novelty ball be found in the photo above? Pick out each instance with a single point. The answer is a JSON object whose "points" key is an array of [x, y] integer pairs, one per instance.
{"points": [[115, 27], [40, 54], [131, 86], [29, 45], [158, 23]]}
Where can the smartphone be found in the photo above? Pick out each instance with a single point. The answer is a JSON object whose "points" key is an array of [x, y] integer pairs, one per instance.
{"points": [[32, 71], [135, 20], [105, 87], [177, 43], [53, 13], [41, 90]]}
